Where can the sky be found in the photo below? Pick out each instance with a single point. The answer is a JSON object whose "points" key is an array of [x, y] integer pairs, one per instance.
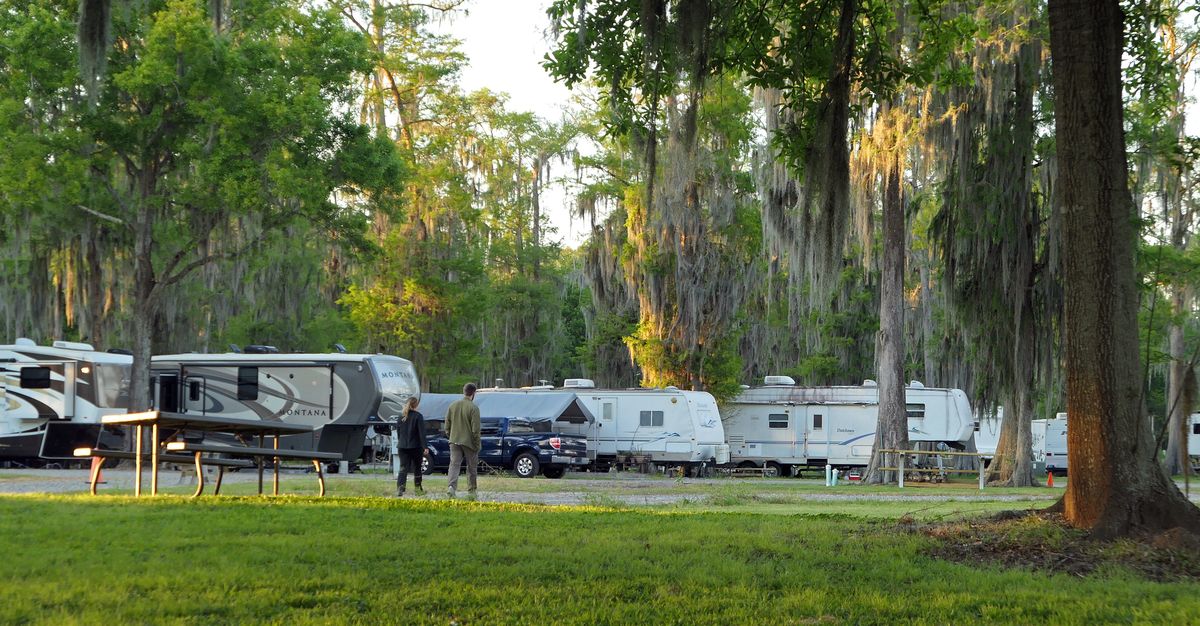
{"points": [[505, 41]]}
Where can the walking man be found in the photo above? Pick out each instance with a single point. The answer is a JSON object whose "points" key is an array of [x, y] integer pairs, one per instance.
{"points": [[462, 429]]}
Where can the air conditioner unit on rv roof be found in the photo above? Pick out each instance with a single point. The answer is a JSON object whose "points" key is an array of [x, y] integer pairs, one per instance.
{"points": [[579, 383], [73, 345], [779, 380]]}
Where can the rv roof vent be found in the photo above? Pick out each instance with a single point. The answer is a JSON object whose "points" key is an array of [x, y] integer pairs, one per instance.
{"points": [[579, 383], [538, 387], [779, 380], [1060, 416], [25, 341], [120, 351], [671, 387], [340, 348], [73, 345], [261, 349], [916, 384], [233, 347], [870, 383]]}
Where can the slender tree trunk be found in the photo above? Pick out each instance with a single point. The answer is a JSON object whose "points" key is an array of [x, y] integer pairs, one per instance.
{"points": [[891, 433], [1116, 485], [1177, 406], [145, 308]]}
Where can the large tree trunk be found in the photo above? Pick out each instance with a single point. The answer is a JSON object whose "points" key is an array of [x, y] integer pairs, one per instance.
{"points": [[891, 433], [1116, 485]]}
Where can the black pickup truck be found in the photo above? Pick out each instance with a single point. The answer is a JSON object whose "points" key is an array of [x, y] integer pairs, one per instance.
{"points": [[523, 446]]}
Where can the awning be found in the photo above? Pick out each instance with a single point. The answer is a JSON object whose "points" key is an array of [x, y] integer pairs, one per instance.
{"points": [[534, 406]]}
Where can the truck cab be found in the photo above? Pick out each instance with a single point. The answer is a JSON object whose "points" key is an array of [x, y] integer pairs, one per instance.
{"points": [[527, 447]]}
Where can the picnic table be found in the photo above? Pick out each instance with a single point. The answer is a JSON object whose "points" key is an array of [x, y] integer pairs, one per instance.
{"points": [[158, 421]]}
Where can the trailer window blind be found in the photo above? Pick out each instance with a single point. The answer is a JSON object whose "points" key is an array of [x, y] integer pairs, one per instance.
{"points": [[35, 378], [915, 411], [651, 418], [194, 391], [777, 420], [247, 383], [818, 421]]}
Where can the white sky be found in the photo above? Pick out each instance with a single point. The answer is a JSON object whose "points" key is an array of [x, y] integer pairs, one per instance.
{"points": [[505, 41]]}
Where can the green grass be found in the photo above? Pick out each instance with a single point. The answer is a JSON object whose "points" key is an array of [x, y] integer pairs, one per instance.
{"points": [[297, 560]]}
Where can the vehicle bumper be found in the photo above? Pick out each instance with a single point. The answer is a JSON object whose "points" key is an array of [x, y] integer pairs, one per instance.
{"points": [[569, 460]]}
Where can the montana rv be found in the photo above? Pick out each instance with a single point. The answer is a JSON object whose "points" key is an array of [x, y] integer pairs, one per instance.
{"points": [[780, 426], [52, 397], [336, 393]]}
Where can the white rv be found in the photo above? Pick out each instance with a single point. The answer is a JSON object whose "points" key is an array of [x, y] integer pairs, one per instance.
{"points": [[664, 426], [780, 426], [336, 393], [52, 397], [987, 435], [1054, 447]]}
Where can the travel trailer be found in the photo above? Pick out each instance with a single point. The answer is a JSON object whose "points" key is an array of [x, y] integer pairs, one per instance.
{"points": [[781, 427], [1054, 447], [52, 397], [337, 393], [987, 436], [664, 427]]}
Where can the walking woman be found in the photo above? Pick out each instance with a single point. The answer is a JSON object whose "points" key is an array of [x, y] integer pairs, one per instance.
{"points": [[410, 442]]}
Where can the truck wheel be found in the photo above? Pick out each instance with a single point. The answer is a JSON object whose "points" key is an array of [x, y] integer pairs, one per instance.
{"points": [[426, 465], [554, 472], [526, 465], [772, 470]]}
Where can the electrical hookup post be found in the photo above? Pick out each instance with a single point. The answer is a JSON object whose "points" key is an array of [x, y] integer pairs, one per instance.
{"points": [[831, 476]]}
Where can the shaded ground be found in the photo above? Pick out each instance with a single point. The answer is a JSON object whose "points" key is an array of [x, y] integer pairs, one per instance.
{"points": [[1043, 542]]}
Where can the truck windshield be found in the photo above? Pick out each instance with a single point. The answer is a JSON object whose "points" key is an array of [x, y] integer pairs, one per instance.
{"points": [[112, 385]]}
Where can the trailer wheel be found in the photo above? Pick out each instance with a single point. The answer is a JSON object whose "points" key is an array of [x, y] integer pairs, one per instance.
{"points": [[554, 472], [526, 465], [772, 470]]}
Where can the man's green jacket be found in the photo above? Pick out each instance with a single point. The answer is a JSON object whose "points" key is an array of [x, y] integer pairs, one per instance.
{"points": [[462, 424]]}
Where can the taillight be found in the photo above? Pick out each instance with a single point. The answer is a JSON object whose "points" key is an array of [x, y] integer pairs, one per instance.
{"points": [[556, 443]]}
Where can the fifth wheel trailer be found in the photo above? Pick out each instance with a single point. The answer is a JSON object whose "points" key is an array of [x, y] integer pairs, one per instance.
{"points": [[52, 398], [336, 393], [781, 426]]}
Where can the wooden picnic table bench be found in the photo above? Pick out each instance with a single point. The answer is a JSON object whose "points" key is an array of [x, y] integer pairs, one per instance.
{"points": [[177, 423], [200, 448], [220, 464]]}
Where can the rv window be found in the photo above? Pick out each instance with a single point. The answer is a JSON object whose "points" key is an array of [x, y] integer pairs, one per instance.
{"points": [[1196, 428], [976, 428], [608, 411], [915, 411], [652, 418], [194, 391], [818, 422], [35, 378], [777, 420], [247, 383]]}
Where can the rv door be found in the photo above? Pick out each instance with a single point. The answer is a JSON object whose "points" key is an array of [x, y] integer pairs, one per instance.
{"points": [[606, 431], [195, 390]]}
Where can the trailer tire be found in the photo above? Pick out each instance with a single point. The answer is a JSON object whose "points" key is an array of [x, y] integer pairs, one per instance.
{"points": [[526, 465], [772, 470], [554, 472]]}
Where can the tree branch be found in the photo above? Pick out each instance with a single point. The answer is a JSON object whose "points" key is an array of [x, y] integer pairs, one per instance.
{"points": [[103, 216]]}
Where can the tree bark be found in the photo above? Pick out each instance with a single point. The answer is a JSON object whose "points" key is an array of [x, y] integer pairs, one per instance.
{"points": [[1117, 488], [1177, 406], [891, 433]]}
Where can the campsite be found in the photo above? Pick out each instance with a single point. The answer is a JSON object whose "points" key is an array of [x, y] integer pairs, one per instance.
{"points": [[470, 312]]}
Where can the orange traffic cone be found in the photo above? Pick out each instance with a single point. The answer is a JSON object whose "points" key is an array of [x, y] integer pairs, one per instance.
{"points": [[1049, 478]]}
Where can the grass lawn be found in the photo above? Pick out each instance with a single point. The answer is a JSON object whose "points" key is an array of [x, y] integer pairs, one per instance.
{"points": [[299, 560]]}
